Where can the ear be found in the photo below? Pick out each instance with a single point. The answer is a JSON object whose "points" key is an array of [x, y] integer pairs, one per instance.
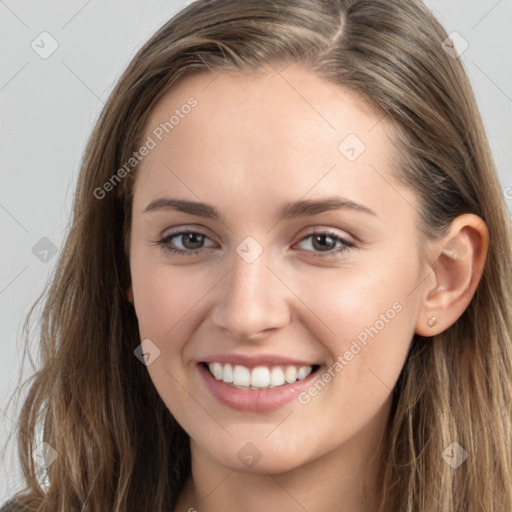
{"points": [[456, 268], [129, 293]]}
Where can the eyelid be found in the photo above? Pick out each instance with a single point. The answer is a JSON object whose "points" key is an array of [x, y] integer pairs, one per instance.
{"points": [[185, 227]]}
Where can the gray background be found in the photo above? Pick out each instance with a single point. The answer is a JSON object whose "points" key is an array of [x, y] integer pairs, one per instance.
{"points": [[49, 105]]}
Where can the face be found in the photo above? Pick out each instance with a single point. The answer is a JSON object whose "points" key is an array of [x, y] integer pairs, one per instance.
{"points": [[277, 286]]}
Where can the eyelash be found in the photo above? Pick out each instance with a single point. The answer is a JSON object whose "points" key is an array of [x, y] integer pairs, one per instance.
{"points": [[164, 243]]}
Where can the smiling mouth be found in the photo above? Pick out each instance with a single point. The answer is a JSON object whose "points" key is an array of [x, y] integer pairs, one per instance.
{"points": [[259, 377]]}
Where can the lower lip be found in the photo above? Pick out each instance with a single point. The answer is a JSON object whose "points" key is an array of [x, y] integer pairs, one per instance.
{"points": [[255, 400]]}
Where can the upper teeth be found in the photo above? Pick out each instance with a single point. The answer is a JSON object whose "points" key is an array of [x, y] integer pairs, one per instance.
{"points": [[260, 376]]}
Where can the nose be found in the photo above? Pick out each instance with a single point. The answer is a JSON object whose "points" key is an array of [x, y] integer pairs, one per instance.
{"points": [[251, 300]]}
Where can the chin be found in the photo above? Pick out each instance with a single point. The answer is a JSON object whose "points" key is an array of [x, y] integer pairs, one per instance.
{"points": [[257, 455], [271, 464]]}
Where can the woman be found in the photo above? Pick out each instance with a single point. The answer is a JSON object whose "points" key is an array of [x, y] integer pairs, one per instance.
{"points": [[203, 349]]}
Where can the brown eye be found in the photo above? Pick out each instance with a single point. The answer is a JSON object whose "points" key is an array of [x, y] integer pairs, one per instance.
{"points": [[326, 242], [191, 242]]}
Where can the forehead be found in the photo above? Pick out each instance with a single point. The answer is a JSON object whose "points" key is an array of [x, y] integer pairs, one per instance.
{"points": [[272, 132], [291, 98]]}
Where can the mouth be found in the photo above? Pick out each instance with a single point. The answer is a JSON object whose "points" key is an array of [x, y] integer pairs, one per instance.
{"points": [[256, 383], [258, 377]]}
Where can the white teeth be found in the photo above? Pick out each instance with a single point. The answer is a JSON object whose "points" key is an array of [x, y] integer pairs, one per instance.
{"points": [[241, 376], [227, 375], [303, 372], [260, 377], [217, 370], [277, 376], [290, 374]]}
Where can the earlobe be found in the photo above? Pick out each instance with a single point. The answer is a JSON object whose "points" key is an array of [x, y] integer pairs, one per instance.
{"points": [[129, 293], [457, 268]]}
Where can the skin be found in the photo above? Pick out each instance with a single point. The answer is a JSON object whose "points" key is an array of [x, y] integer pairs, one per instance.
{"points": [[252, 143]]}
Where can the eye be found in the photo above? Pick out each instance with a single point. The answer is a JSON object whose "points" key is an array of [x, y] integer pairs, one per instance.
{"points": [[190, 241], [325, 242]]}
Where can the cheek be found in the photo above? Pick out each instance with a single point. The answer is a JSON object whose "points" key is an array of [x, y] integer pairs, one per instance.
{"points": [[164, 296], [369, 313], [365, 320], [165, 299]]}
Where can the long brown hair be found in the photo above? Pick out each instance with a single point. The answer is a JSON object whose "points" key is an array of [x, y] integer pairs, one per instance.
{"points": [[119, 448]]}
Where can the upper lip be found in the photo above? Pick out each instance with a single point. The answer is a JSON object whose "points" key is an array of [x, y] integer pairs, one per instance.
{"points": [[251, 361]]}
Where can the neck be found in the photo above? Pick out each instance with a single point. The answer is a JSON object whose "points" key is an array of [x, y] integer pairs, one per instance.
{"points": [[349, 478]]}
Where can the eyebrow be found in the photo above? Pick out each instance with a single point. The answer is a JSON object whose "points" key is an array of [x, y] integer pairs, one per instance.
{"points": [[301, 208]]}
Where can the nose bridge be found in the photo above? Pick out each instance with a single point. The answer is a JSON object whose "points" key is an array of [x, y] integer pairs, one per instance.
{"points": [[251, 298]]}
